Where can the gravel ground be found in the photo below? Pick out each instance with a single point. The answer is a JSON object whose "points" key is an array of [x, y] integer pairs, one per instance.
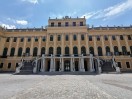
{"points": [[66, 86]]}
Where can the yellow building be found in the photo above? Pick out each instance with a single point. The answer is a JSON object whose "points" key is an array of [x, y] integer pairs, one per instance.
{"points": [[64, 41]]}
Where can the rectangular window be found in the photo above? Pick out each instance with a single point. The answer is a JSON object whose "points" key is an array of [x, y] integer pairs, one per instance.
{"points": [[74, 37], [74, 23], [17, 65], [59, 24], [44, 39], [98, 38], [8, 39], [106, 37], [29, 39], [15, 39], [52, 24], [59, 38], [9, 65], [82, 37], [66, 24], [36, 39], [51, 38], [90, 38], [81, 23], [22, 39], [67, 38], [121, 37], [129, 37], [119, 64], [1, 65], [113, 37], [128, 64]]}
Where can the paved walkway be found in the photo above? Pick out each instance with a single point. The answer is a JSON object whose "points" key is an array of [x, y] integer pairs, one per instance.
{"points": [[68, 86]]}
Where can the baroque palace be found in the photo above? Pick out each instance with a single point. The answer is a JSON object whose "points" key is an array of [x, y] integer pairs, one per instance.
{"points": [[66, 44]]}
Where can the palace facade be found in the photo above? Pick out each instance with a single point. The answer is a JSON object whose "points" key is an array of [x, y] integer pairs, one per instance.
{"points": [[69, 38]]}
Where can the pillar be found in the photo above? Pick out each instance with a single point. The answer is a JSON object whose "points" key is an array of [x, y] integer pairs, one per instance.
{"points": [[43, 63], [47, 44], [39, 46], [24, 46], [52, 64], [111, 44], [79, 47], [31, 49], [16, 48], [62, 45], [71, 65], [127, 45], [71, 46], [119, 45], [91, 63], [95, 46], [103, 46], [55, 39], [87, 44], [9, 48], [82, 64]]}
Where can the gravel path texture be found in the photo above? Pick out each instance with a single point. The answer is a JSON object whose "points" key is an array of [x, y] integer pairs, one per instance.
{"points": [[66, 86]]}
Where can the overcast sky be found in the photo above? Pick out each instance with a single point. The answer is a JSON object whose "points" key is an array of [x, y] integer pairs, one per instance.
{"points": [[35, 13]]}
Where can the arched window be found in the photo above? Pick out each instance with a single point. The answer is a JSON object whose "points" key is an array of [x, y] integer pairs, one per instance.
{"points": [[5, 51], [75, 50], [100, 51], [19, 52], [35, 50], [91, 50], [83, 50], [107, 50], [116, 52], [67, 51], [50, 50], [12, 51], [42, 50], [124, 51], [131, 49], [28, 50], [58, 50]]}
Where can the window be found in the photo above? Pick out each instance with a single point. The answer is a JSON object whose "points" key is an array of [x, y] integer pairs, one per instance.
{"points": [[82, 37], [98, 38], [106, 37], [42, 50], [51, 37], [116, 52], [67, 38], [66, 24], [59, 38], [131, 49], [91, 50], [113, 37], [52, 24], [44, 39], [17, 65], [119, 64], [8, 39], [129, 37], [100, 51], [15, 39], [66, 51], [107, 50], [29, 39], [90, 38], [9, 65], [59, 24], [22, 39], [1, 65], [83, 50], [28, 50], [75, 51], [12, 51], [74, 23], [5, 51], [35, 50], [124, 50], [128, 64], [121, 37], [81, 23], [74, 37], [50, 50], [59, 51], [20, 52], [36, 39]]}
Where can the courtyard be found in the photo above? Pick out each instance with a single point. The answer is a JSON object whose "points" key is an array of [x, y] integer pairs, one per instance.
{"points": [[66, 86]]}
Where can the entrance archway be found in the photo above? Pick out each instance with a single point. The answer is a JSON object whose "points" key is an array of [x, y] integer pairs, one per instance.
{"points": [[66, 65]]}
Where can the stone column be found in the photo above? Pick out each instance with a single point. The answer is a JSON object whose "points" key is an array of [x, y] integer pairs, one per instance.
{"points": [[16, 49], [103, 46], [9, 48], [79, 46], [95, 46], [127, 45], [24, 46], [55, 44], [91, 63], [62, 45], [31, 49], [47, 44], [71, 46], [54, 64], [87, 44], [71, 65], [39, 46], [119, 45], [51, 64], [43, 63], [62, 64], [82, 64], [111, 45], [2, 44]]}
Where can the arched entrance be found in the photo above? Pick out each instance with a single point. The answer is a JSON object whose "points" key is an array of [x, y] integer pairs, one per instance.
{"points": [[66, 65]]}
